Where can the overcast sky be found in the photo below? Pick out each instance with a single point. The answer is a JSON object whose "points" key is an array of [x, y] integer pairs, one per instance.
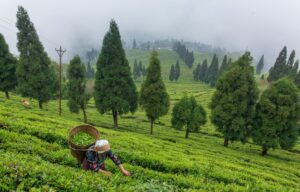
{"points": [[261, 26]]}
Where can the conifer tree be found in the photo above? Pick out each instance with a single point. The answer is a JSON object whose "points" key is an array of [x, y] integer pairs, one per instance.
{"points": [[203, 71], [294, 70], [135, 70], [290, 61], [140, 68], [188, 114], [115, 90], [172, 73], [278, 112], [76, 87], [260, 65], [224, 65], [297, 80], [233, 103], [177, 71], [8, 64], [213, 71], [196, 72], [280, 68], [36, 77], [154, 97]]}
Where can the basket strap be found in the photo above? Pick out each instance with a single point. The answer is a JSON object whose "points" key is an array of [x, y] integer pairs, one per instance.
{"points": [[78, 149]]}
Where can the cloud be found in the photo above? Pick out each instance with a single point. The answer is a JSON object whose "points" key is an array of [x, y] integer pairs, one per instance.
{"points": [[261, 26]]}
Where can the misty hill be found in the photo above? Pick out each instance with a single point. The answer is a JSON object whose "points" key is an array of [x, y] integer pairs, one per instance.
{"points": [[169, 57]]}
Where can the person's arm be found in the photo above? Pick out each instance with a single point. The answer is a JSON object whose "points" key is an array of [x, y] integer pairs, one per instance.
{"points": [[117, 161]]}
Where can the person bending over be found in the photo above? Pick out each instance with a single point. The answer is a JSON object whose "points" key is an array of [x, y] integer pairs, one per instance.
{"points": [[97, 154]]}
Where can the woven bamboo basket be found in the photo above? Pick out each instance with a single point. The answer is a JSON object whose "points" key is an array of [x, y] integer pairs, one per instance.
{"points": [[78, 151]]}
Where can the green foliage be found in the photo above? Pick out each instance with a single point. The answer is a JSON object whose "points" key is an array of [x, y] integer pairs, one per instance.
{"points": [[184, 53], [233, 104], [154, 97], [187, 113], [8, 64], [35, 154], [177, 71], [196, 72], [260, 65], [172, 73], [76, 86], [212, 71], [280, 68], [83, 139], [114, 88], [34, 70], [224, 65], [278, 112]]}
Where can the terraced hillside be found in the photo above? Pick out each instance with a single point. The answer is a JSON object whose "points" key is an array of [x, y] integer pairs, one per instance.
{"points": [[35, 155]]}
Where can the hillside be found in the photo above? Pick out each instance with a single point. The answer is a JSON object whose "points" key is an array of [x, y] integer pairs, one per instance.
{"points": [[35, 155], [169, 57]]}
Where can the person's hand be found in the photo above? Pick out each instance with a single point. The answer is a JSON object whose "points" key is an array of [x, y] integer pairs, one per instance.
{"points": [[126, 173]]}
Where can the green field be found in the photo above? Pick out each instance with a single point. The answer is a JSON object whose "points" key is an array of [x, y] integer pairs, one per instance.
{"points": [[35, 155]]}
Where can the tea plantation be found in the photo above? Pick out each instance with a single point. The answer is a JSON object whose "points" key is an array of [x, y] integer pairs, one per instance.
{"points": [[35, 154]]}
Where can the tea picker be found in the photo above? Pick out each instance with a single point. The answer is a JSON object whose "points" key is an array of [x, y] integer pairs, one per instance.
{"points": [[93, 156]]}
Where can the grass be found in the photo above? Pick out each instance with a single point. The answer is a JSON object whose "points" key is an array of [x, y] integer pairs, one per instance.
{"points": [[35, 155]]}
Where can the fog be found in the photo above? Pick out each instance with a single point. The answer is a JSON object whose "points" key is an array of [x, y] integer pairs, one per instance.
{"points": [[260, 26]]}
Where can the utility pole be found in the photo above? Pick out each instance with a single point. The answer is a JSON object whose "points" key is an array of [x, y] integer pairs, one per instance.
{"points": [[60, 53]]}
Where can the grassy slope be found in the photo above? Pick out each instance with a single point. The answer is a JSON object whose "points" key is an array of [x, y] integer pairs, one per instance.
{"points": [[33, 145], [34, 153]]}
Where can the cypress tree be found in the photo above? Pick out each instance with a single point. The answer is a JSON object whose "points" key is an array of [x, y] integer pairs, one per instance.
{"points": [[172, 73], [213, 71], [76, 87], [297, 80], [196, 72], [8, 64], [278, 112], [224, 65], [115, 90], [154, 97], [135, 70], [189, 114], [260, 65], [36, 77], [280, 68], [177, 71], [233, 103], [294, 70], [291, 59], [203, 71], [140, 68]]}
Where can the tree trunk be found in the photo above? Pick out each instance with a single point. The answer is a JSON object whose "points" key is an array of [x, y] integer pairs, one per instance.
{"points": [[115, 117], [226, 142], [187, 133], [151, 127], [264, 151], [6, 95], [84, 115], [40, 105]]}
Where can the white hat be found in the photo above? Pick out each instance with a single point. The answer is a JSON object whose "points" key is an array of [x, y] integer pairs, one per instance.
{"points": [[102, 145]]}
